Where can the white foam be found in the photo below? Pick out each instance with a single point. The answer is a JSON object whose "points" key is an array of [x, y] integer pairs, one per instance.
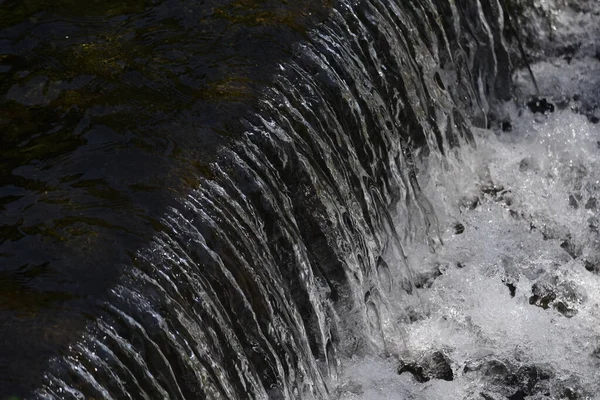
{"points": [[535, 190]]}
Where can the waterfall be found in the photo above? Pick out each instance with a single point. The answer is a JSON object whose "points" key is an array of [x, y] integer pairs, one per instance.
{"points": [[280, 261]]}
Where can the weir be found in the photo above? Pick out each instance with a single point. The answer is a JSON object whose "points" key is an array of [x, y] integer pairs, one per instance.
{"points": [[276, 262], [278, 259]]}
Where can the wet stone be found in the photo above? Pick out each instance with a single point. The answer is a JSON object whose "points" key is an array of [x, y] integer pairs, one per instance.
{"points": [[596, 352], [505, 380], [568, 246], [511, 287], [493, 369], [590, 266], [433, 366], [573, 202], [571, 394], [560, 296], [542, 301], [491, 396], [426, 279], [492, 190], [459, 228], [518, 395], [525, 164], [514, 214], [591, 204], [540, 106], [593, 224], [565, 310], [470, 203]]}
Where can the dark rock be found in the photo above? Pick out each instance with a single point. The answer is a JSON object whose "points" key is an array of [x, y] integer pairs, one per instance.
{"points": [[528, 380], [542, 296], [416, 370], [470, 203], [526, 164], [504, 380], [492, 396], [518, 395], [512, 288], [590, 266], [439, 367], [540, 105], [491, 189], [549, 293], [565, 310], [568, 246], [433, 366], [459, 228], [425, 279], [571, 394], [573, 202], [569, 51], [593, 224], [591, 204], [506, 126], [542, 302]]}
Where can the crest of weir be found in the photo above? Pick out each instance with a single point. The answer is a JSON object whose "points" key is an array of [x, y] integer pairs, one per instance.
{"points": [[278, 262]]}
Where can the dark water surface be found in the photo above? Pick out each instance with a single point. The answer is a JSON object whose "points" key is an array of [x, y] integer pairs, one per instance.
{"points": [[109, 110]]}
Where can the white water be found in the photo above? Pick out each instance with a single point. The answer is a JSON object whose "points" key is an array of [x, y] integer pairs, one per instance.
{"points": [[545, 176]]}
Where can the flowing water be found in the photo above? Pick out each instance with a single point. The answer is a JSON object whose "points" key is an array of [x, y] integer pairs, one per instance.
{"points": [[509, 305], [246, 199]]}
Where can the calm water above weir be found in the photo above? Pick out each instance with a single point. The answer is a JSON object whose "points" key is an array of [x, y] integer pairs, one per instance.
{"points": [[109, 110]]}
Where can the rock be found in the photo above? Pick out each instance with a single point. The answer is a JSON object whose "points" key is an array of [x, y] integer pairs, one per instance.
{"points": [[469, 202], [426, 279], [491, 396], [518, 395], [526, 164], [591, 204], [571, 394], [511, 381], [433, 366], [494, 371], [573, 202], [540, 105], [511, 287], [590, 266], [459, 228], [562, 296]]}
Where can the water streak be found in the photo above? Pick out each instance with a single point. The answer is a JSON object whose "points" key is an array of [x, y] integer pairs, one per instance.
{"points": [[278, 264]]}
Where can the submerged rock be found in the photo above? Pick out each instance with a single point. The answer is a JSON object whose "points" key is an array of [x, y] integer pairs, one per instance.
{"points": [[511, 381], [540, 105], [562, 296], [434, 366]]}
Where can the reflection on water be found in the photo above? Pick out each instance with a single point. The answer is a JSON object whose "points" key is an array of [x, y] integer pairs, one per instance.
{"points": [[109, 109]]}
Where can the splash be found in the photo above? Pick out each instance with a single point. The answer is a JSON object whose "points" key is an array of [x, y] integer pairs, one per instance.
{"points": [[509, 306]]}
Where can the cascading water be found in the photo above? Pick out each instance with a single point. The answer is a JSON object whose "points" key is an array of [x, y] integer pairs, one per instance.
{"points": [[509, 304], [312, 242], [279, 261]]}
